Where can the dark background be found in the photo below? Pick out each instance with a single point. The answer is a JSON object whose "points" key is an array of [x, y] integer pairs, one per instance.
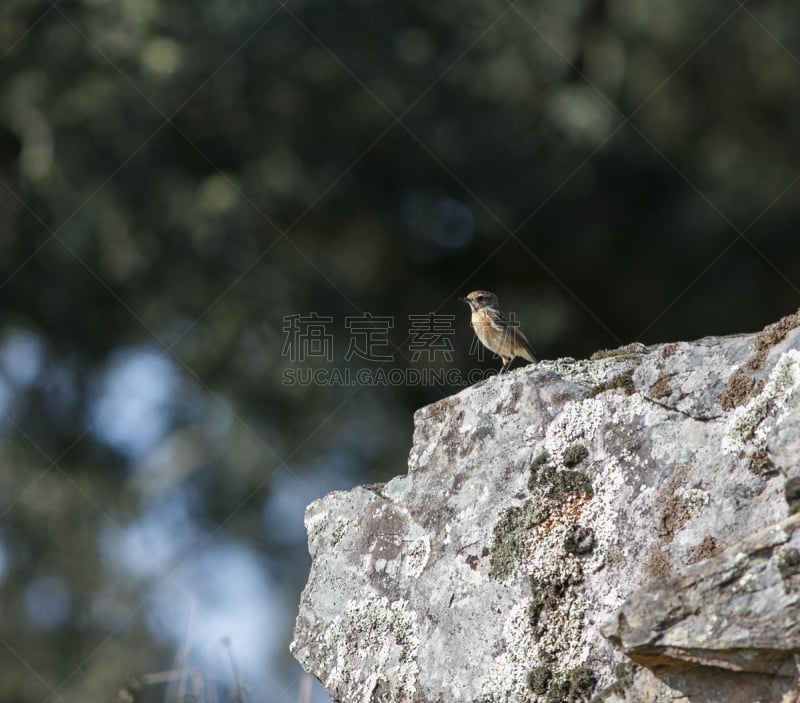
{"points": [[177, 177]]}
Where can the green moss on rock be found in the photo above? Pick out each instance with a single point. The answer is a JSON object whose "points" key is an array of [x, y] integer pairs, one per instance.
{"points": [[538, 679], [575, 455], [573, 687], [510, 538], [548, 482], [622, 381], [576, 686], [550, 488], [540, 461], [623, 678], [579, 539], [545, 595], [788, 561]]}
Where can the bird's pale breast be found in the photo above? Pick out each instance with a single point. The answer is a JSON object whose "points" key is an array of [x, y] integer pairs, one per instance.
{"points": [[501, 343]]}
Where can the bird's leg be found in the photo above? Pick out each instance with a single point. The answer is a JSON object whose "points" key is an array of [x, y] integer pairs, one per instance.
{"points": [[506, 364]]}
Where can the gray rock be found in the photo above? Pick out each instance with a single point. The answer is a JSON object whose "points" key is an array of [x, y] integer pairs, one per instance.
{"points": [[738, 611], [612, 529]]}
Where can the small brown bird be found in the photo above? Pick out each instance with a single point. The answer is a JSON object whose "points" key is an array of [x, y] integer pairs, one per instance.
{"points": [[495, 331]]}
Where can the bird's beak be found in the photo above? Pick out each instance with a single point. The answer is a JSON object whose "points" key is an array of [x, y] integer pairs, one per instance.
{"points": [[464, 300]]}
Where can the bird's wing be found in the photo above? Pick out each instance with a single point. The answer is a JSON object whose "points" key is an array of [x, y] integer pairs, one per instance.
{"points": [[499, 320], [502, 324], [526, 350]]}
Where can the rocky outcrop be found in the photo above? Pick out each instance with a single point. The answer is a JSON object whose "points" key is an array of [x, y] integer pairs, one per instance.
{"points": [[734, 617], [612, 529]]}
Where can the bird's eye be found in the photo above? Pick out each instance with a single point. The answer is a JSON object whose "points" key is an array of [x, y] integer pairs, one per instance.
{"points": [[481, 297]]}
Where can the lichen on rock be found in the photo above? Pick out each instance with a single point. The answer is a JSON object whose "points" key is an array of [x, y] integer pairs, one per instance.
{"points": [[543, 504], [744, 422], [383, 636]]}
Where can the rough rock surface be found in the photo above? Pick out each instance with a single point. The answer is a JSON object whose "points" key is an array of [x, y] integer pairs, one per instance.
{"points": [[612, 529]]}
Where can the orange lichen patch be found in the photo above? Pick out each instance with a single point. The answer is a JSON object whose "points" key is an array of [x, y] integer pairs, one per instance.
{"points": [[569, 512]]}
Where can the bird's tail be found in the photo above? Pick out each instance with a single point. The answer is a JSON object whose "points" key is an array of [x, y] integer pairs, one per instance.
{"points": [[526, 353], [523, 347]]}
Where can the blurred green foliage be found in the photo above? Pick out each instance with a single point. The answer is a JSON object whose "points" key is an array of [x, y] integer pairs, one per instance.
{"points": [[177, 177]]}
